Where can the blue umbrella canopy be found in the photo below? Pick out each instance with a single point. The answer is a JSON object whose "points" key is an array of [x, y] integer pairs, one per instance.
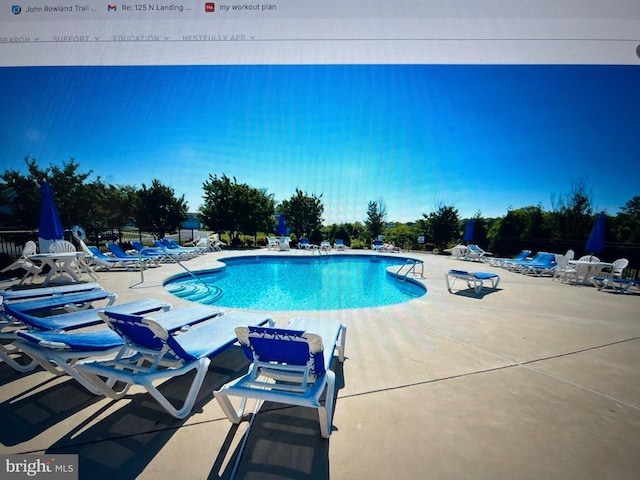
{"points": [[281, 228], [468, 234], [50, 225], [595, 243]]}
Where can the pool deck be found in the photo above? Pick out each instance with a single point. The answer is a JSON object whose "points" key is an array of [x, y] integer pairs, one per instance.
{"points": [[535, 380]]}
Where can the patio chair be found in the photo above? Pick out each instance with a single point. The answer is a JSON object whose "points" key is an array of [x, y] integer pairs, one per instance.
{"points": [[516, 265], [173, 253], [563, 269], [30, 268], [76, 300], [161, 353], [13, 310], [283, 244], [618, 285], [272, 243], [390, 247], [339, 245], [54, 342], [304, 244], [475, 254], [290, 366], [106, 262], [458, 251], [205, 244], [616, 269], [216, 243], [42, 292], [156, 252], [500, 262], [175, 246], [544, 264], [377, 245], [475, 280], [144, 258]]}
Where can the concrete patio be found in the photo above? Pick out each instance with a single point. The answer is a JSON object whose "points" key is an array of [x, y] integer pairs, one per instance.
{"points": [[536, 380]]}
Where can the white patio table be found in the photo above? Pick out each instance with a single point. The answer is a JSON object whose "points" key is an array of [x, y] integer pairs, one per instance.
{"points": [[59, 264], [587, 269]]}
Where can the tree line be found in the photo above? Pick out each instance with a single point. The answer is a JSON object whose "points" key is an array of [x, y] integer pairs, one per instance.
{"points": [[237, 208]]}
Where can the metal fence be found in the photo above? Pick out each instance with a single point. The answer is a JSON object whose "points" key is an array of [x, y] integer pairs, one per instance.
{"points": [[12, 241]]}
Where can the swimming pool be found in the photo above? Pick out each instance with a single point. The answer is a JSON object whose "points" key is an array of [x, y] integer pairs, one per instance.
{"points": [[280, 283]]}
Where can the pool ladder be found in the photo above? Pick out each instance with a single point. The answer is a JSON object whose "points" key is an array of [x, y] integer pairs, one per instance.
{"points": [[410, 266]]}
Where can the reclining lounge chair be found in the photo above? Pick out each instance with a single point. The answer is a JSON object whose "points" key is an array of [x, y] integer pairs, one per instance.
{"points": [[475, 280], [161, 352], [56, 345], [290, 366], [30, 268]]}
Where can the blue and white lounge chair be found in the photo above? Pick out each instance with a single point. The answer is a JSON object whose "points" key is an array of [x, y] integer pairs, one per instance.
{"points": [[618, 285], [475, 280], [173, 253], [77, 300], [516, 265], [305, 245], [154, 252], [9, 324], [543, 264], [55, 343], [290, 366], [14, 310], [70, 301], [377, 245], [500, 262], [175, 246], [476, 254], [339, 245], [162, 353], [33, 293], [99, 259], [144, 258]]}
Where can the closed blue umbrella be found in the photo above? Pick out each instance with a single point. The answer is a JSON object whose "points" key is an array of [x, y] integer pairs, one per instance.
{"points": [[595, 243], [50, 228], [282, 229], [468, 234]]}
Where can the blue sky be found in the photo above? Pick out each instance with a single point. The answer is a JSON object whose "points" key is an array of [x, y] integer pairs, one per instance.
{"points": [[481, 138]]}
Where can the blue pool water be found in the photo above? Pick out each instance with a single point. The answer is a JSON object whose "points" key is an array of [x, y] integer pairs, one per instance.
{"points": [[299, 283]]}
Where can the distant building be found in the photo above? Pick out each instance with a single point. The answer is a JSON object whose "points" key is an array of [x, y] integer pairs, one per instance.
{"points": [[192, 222]]}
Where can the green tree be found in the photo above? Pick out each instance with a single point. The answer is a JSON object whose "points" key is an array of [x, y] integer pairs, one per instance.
{"points": [[572, 215], [376, 215], [303, 213], [118, 205], [402, 235], [74, 195], [235, 207], [627, 222], [158, 210], [443, 225], [520, 228]]}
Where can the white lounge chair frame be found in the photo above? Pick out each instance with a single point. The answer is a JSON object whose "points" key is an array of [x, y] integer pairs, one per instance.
{"points": [[303, 386], [31, 269], [148, 365], [475, 280]]}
